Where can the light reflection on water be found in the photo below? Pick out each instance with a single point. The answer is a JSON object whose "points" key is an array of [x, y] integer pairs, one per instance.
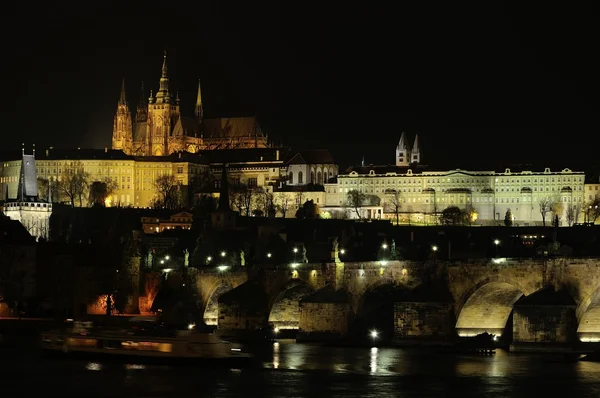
{"points": [[289, 369]]}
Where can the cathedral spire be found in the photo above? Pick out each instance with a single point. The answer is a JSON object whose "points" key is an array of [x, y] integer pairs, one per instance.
{"points": [[402, 141], [141, 114], [199, 110], [123, 99], [416, 151], [402, 152], [162, 96]]}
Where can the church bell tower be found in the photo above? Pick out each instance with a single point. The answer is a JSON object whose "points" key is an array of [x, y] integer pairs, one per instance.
{"points": [[163, 111], [122, 129]]}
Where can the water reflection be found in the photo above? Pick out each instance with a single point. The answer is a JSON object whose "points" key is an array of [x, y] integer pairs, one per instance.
{"points": [[276, 355], [313, 370], [93, 366], [373, 360]]}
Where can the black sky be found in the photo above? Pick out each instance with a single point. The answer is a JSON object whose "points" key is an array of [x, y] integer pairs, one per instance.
{"points": [[485, 80]]}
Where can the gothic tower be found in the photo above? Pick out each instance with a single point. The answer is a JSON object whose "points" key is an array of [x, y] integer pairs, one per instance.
{"points": [[163, 112], [199, 110], [122, 129], [402, 152], [141, 114], [415, 152]]}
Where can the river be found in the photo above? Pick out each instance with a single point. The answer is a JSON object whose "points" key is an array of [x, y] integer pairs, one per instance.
{"points": [[302, 370]]}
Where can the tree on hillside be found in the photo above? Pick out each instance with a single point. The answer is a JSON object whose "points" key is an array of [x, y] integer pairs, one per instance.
{"points": [[309, 210], [452, 216], [73, 183], [545, 205], [282, 202], [557, 208], [241, 197], [45, 186], [101, 190], [169, 192], [508, 218], [593, 209], [393, 203], [570, 214], [356, 199], [469, 215]]}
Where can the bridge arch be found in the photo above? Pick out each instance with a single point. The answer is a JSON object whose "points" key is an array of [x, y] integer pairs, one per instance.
{"points": [[375, 309], [284, 311], [487, 306], [211, 309], [588, 318]]}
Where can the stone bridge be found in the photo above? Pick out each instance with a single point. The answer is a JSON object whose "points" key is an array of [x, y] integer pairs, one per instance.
{"points": [[411, 300]]}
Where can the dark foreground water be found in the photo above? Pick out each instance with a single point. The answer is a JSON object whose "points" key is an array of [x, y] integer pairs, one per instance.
{"points": [[298, 370]]}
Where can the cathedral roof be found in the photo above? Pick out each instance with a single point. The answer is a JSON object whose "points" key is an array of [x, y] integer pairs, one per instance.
{"points": [[190, 126], [246, 155], [313, 156], [231, 127]]}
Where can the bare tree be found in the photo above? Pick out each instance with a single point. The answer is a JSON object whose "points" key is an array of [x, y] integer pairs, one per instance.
{"points": [[393, 203], [356, 199], [282, 201], [557, 208], [299, 199], [545, 205], [577, 209], [73, 183], [45, 186], [570, 214], [593, 209], [241, 197], [268, 202], [169, 192], [101, 190]]}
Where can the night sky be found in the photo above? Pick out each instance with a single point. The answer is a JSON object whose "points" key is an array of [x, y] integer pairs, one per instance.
{"points": [[487, 81]]}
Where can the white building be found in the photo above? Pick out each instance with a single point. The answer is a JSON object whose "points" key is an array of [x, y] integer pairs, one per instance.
{"points": [[423, 192]]}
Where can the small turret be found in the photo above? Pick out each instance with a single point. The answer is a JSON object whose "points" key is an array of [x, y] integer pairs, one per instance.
{"points": [[415, 153], [199, 110], [402, 152]]}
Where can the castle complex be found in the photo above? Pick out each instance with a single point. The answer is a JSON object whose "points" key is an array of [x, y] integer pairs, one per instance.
{"points": [[160, 129], [158, 140]]}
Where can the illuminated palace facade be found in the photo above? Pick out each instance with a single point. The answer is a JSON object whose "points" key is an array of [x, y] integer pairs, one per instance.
{"points": [[490, 193], [158, 127]]}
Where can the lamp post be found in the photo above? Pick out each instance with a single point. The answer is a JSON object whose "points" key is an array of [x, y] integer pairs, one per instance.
{"points": [[496, 243]]}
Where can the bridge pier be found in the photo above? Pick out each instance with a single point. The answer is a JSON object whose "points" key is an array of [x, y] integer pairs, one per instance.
{"points": [[420, 322], [544, 320], [324, 315]]}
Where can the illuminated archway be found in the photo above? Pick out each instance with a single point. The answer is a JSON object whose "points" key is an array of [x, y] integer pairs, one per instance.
{"points": [[376, 309], [588, 315], [211, 312], [487, 308], [285, 312]]}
